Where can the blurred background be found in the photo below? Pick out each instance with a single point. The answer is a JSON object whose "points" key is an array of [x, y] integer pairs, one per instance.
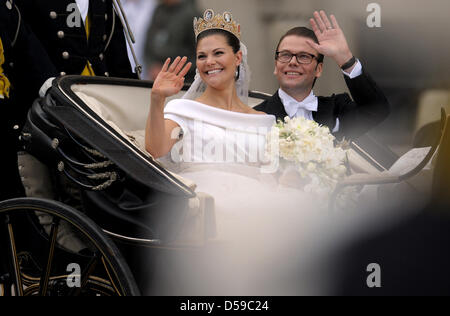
{"points": [[407, 55]]}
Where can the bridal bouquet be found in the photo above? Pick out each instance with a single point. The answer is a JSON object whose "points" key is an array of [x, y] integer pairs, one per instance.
{"points": [[310, 147]]}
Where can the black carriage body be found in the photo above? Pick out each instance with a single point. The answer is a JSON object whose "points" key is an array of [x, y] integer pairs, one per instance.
{"points": [[140, 201]]}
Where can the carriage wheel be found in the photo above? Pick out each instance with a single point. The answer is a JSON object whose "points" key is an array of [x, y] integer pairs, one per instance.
{"points": [[33, 262]]}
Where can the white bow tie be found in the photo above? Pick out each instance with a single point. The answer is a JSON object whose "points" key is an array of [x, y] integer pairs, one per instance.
{"points": [[292, 106]]}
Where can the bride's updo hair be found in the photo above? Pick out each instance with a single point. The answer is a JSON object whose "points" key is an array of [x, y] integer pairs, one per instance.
{"points": [[232, 40]]}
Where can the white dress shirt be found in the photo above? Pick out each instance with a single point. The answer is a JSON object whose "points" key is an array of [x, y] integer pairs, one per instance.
{"points": [[356, 71], [83, 6], [305, 108], [295, 108]]}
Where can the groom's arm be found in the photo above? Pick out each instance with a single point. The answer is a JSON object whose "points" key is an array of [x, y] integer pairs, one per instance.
{"points": [[369, 105], [368, 108]]}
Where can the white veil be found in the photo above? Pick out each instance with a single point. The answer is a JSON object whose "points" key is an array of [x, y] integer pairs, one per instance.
{"points": [[242, 84]]}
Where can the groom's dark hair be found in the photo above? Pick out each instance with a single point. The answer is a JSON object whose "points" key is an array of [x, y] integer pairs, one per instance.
{"points": [[302, 32]]}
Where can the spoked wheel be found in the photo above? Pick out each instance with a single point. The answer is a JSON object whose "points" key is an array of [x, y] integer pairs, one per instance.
{"points": [[35, 258]]}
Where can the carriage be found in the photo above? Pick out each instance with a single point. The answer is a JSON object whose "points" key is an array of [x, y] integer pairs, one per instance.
{"points": [[99, 208]]}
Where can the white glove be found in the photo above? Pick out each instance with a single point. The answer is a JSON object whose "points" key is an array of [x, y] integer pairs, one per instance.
{"points": [[47, 85]]}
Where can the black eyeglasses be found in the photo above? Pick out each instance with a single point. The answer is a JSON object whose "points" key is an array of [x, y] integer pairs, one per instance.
{"points": [[302, 58]]}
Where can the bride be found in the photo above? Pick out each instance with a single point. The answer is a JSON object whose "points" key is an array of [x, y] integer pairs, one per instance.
{"points": [[212, 136]]}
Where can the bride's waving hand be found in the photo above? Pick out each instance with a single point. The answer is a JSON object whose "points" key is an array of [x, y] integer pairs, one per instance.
{"points": [[170, 80], [159, 132]]}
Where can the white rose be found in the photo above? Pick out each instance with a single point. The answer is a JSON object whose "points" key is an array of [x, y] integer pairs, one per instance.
{"points": [[311, 167]]}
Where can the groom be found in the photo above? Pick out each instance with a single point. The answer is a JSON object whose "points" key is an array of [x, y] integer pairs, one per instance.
{"points": [[298, 64]]}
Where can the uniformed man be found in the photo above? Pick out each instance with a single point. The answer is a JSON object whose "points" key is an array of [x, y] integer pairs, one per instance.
{"points": [[80, 36], [24, 67]]}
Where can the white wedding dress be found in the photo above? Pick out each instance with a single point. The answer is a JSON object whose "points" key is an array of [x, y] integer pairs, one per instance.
{"points": [[279, 239], [223, 152], [261, 216]]}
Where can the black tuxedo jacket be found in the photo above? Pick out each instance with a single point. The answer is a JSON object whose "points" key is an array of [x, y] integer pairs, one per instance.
{"points": [[68, 46], [368, 108]]}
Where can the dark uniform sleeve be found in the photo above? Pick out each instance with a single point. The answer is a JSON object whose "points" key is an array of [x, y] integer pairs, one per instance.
{"points": [[34, 66], [30, 66], [26, 66]]}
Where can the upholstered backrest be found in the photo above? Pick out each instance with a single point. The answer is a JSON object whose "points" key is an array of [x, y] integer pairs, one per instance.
{"points": [[126, 106]]}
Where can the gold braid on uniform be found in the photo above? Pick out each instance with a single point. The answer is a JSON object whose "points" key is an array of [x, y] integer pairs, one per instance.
{"points": [[88, 71], [4, 82]]}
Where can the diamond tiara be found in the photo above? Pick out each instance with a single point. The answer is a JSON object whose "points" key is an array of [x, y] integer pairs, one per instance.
{"points": [[220, 21]]}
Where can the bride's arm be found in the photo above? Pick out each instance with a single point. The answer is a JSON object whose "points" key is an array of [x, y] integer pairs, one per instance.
{"points": [[158, 131]]}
